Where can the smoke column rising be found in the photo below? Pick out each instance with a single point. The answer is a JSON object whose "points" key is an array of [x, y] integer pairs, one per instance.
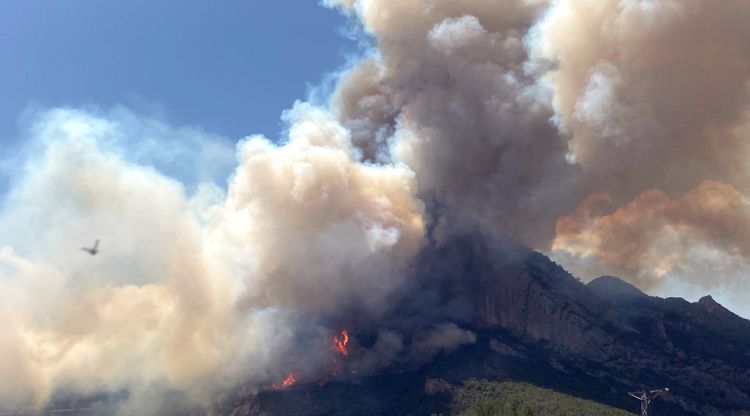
{"points": [[608, 133], [514, 113]]}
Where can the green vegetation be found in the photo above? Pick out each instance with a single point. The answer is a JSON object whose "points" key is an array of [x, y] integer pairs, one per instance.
{"points": [[486, 398]]}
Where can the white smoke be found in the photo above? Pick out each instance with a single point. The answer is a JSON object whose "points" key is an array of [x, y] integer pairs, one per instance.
{"points": [[191, 293], [609, 131]]}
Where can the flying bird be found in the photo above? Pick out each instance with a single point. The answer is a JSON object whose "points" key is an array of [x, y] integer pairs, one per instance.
{"points": [[92, 250]]}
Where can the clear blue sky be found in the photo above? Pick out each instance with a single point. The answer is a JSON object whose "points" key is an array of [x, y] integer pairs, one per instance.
{"points": [[227, 66]]}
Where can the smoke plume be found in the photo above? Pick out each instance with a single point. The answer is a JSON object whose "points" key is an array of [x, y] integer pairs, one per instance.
{"points": [[191, 294], [609, 133], [652, 97], [453, 84], [513, 113]]}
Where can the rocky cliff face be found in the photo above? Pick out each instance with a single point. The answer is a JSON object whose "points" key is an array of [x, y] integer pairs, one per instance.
{"points": [[608, 330], [536, 322], [700, 350], [538, 302]]}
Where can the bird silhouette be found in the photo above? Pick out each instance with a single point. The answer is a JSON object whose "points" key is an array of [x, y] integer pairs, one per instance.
{"points": [[92, 250]]}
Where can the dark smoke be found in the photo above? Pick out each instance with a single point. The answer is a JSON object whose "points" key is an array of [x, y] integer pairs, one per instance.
{"points": [[609, 133]]}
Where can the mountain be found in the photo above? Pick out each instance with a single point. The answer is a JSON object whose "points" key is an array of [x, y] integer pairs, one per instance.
{"points": [[615, 290], [535, 322]]}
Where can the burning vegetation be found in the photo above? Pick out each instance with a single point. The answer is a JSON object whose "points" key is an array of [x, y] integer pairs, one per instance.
{"points": [[340, 342], [288, 381]]}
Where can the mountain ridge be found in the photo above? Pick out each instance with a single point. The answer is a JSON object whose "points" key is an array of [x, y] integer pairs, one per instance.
{"points": [[535, 322]]}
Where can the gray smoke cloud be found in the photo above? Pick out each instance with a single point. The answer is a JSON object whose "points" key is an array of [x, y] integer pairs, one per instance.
{"points": [[444, 337], [454, 83], [517, 114], [608, 133]]}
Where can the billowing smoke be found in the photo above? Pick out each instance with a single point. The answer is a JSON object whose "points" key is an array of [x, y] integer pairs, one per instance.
{"points": [[455, 92], [609, 133], [191, 294], [699, 235], [320, 230], [652, 97], [513, 113], [650, 93]]}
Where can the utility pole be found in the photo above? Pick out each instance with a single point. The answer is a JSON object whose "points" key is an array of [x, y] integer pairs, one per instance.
{"points": [[646, 396]]}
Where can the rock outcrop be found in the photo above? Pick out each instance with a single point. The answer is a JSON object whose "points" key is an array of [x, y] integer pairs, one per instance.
{"points": [[536, 322], [611, 329]]}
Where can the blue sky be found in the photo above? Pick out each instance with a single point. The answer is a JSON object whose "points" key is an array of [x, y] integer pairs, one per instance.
{"points": [[230, 67]]}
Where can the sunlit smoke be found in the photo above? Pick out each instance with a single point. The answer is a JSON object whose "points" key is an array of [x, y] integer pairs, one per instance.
{"points": [[191, 293], [610, 133], [655, 235]]}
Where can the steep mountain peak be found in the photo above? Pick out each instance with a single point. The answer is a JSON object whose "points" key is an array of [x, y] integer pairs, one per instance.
{"points": [[615, 289], [708, 300], [714, 308]]}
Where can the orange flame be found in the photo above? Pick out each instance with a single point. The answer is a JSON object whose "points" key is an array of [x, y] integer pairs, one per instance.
{"points": [[340, 341], [288, 381]]}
